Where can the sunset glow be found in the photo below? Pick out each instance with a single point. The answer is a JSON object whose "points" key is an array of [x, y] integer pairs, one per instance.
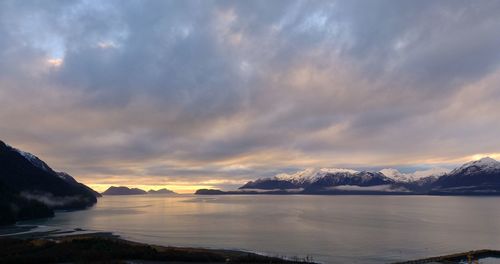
{"points": [[169, 94]]}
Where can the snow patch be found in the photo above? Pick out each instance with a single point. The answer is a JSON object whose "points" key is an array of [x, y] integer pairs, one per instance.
{"points": [[34, 160], [484, 164], [311, 174], [415, 176]]}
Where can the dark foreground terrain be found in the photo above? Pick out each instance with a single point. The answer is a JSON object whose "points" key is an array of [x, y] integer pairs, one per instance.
{"points": [[105, 248], [475, 256]]}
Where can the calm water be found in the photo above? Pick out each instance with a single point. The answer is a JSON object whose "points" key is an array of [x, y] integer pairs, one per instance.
{"points": [[331, 229]]}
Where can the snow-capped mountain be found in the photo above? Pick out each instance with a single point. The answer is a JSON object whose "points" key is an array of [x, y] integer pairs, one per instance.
{"points": [[414, 176], [359, 181], [312, 178], [327, 177], [310, 175], [483, 165], [476, 176], [37, 162], [481, 176], [319, 179], [361, 178], [26, 175], [33, 159]]}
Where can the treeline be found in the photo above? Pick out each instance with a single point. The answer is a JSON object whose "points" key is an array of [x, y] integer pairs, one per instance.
{"points": [[14, 207]]}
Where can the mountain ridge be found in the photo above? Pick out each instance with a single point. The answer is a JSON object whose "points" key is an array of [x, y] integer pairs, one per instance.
{"points": [[29, 183], [481, 177]]}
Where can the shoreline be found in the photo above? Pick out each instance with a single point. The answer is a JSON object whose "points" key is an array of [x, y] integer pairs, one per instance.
{"points": [[79, 245], [86, 246], [346, 193], [462, 257]]}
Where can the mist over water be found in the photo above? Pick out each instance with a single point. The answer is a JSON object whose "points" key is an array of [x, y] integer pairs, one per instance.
{"points": [[349, 229]]}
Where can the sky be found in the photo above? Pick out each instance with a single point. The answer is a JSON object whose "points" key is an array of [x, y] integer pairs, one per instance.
{"points": [[210, 94]]}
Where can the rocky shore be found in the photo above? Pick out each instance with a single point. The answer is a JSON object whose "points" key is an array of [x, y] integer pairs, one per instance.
{"points": [[81, 247]]}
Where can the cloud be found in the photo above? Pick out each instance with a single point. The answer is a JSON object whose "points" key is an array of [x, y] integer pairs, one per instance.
{"points": [[183, 90]]}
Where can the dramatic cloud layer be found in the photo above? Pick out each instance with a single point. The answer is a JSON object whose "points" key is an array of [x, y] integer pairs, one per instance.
{"points": [[212, 93]]}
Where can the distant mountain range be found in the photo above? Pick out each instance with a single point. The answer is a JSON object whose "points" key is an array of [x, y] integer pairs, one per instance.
{"points": [[122, 190], [29, 188], [481, 177]]}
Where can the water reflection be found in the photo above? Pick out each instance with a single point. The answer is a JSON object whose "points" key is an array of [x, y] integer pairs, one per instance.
{"points": [[354, 229]]}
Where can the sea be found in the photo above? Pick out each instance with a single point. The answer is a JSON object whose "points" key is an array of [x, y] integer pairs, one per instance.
{"points": [[328, 229]]}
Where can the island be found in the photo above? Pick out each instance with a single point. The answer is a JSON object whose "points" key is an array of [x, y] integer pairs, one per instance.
{"points": [[123, 190]]}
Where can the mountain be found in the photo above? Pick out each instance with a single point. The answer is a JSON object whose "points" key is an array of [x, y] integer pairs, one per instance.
{"points": [[297, 180], [32, 178], [419, 181], [68, 178], [476, 177], [363, 182], [473, 178], [161, 191], [122, 190], [307, 176], [30, 184], [415, 176], [327, 181], [362, 178], [209, 191], [271, 184]]}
